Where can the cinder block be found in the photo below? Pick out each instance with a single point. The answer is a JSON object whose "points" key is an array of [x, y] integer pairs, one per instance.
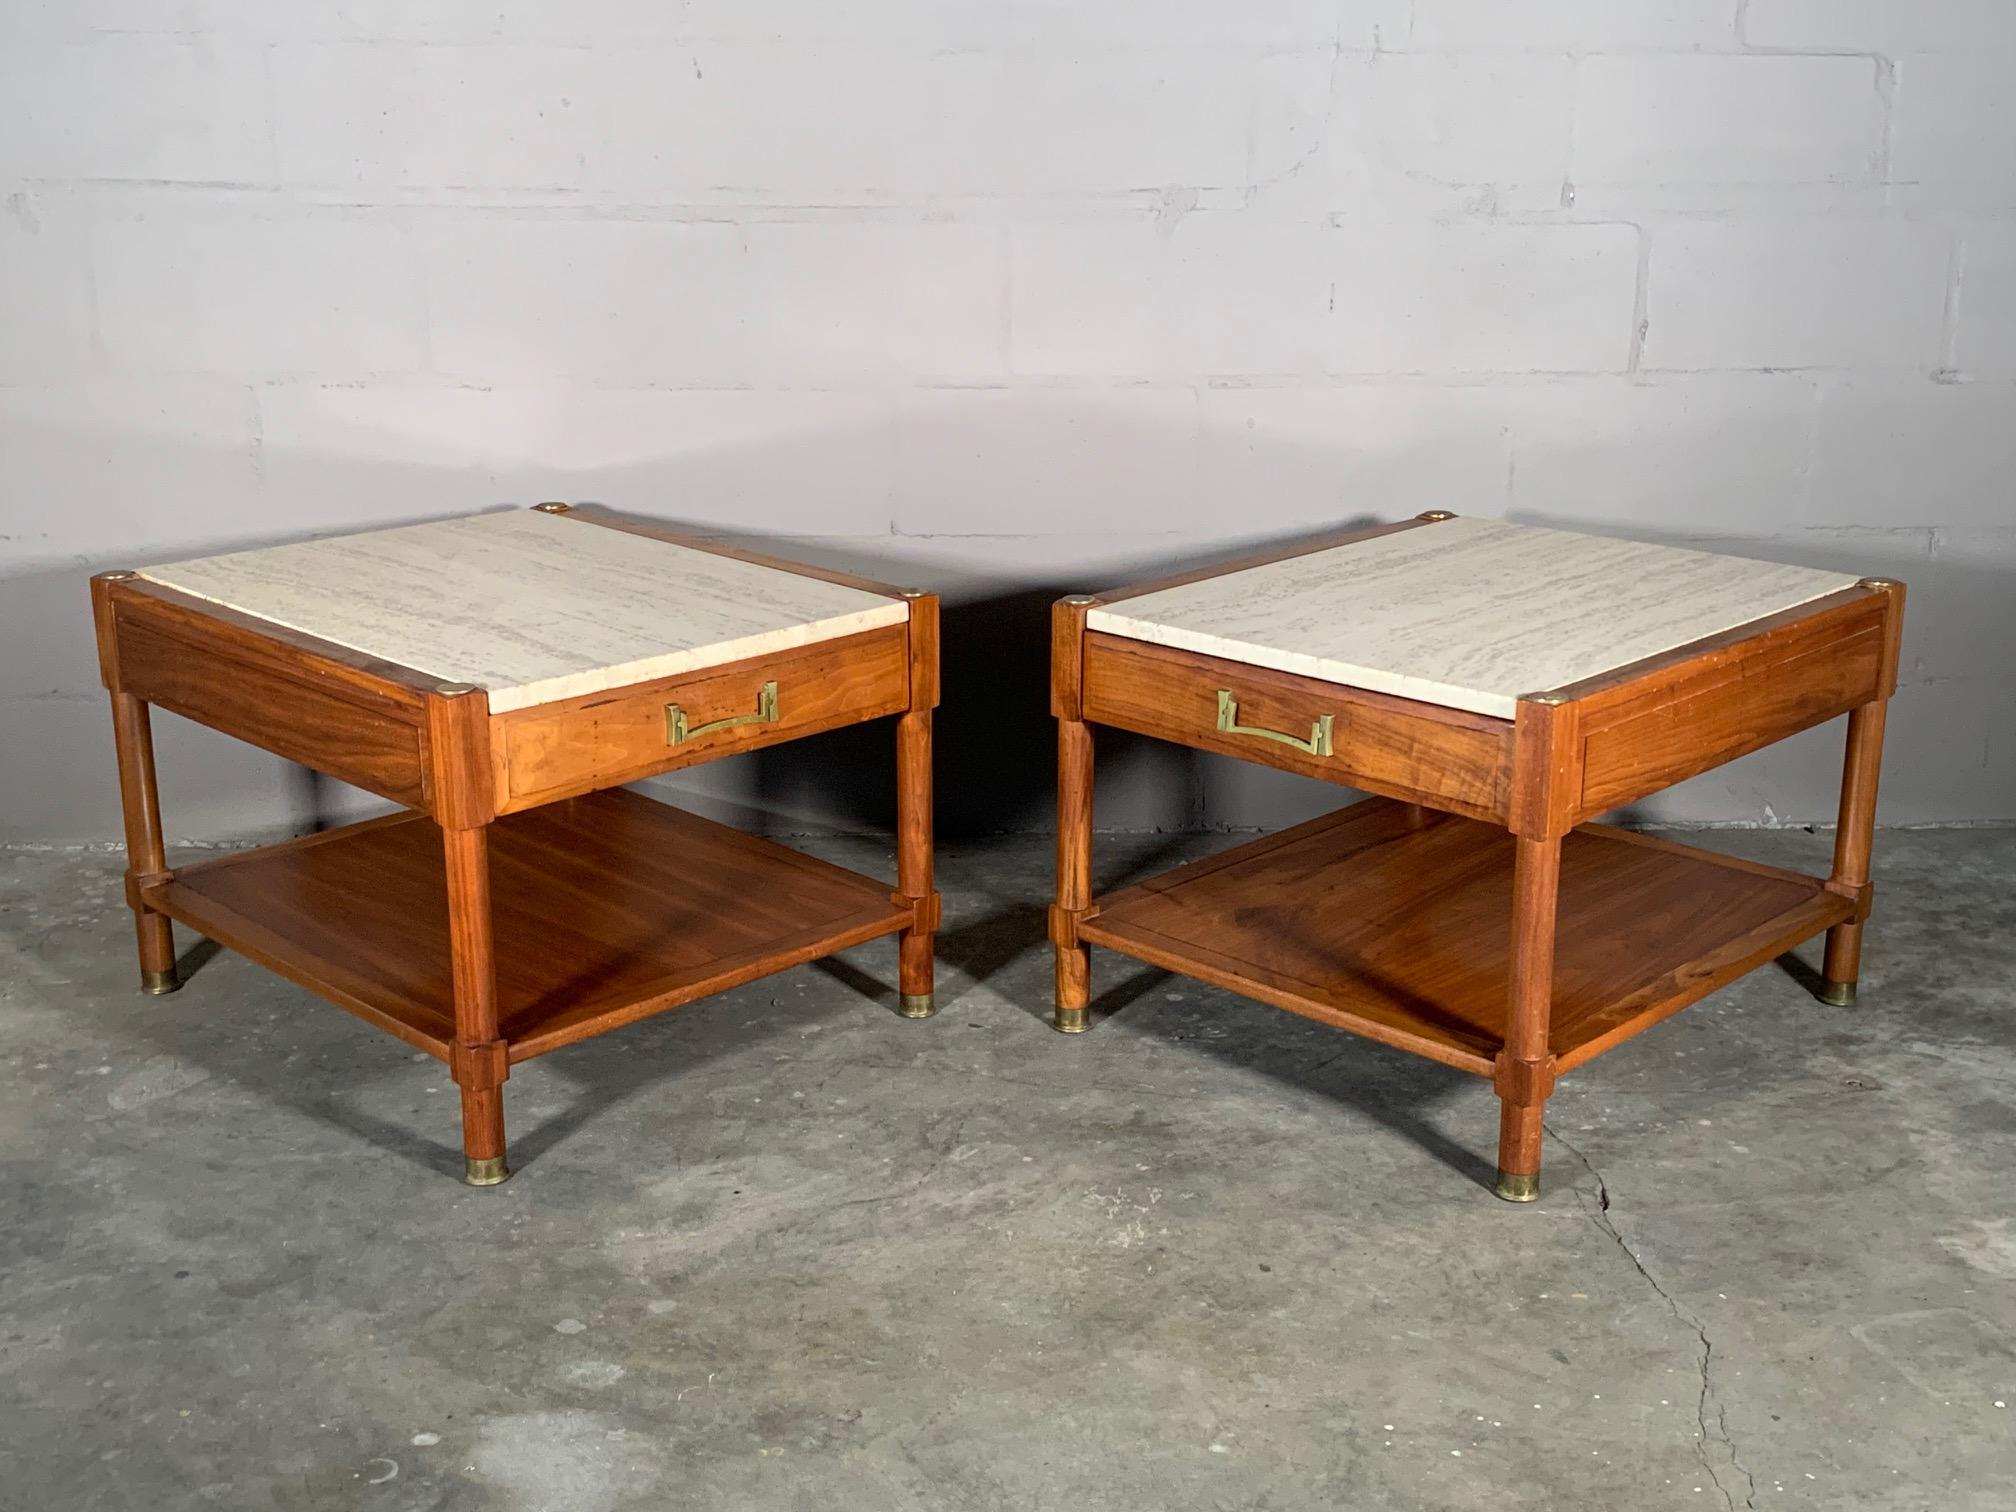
{"points": [[813, 122], [580, 22], [1985, 334], [1682, 119], [808, 123], [1956, 123], [1059, 23], [449, 22], [45, 291], [1462, 119], [391, 115], [230, 291], [1213, 292], [672, 304], [1480, 297], [82, 20], [1097, 120], [1910, 452], [1049, 461], [1808, 294], [1962, 586], [1950, 749], [1881, 26], [137, 467], [134, 108], [1724, 452], [744, 460], [1550, 25], [1307, 456]]}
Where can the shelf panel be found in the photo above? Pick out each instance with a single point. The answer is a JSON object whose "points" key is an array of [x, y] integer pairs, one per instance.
{"points": [[607, 908], [1397, 925]]}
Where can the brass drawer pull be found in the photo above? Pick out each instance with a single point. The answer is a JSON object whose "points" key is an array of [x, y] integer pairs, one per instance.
{"points": [[1318, 743], [678, 732]]}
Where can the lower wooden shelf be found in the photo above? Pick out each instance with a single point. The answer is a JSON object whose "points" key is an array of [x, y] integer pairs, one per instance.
{"points": [[1396, 924], [607, 908]]}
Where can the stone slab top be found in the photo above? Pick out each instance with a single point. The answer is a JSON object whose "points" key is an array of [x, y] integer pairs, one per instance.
{"points": [[529, 606], [1466, 613]]}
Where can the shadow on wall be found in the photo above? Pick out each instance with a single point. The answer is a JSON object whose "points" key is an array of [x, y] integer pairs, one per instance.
{"points": [[1952, 744]]}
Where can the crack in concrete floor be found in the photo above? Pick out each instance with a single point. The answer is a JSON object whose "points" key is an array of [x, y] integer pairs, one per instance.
{"points": [[1600, 1216]]}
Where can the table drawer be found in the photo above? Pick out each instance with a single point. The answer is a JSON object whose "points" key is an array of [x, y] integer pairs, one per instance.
{"points": [[600, 740], [1447, 758]]}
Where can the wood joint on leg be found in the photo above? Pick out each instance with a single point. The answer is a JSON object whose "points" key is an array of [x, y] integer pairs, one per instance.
{"points": [[1862, 895], [480, 1068], [1524, 1081], [1063, 925], [137, 883], [926, 912]]}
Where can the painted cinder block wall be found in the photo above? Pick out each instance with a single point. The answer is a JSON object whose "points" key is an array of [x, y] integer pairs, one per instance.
{"points": [[1010, 298]]}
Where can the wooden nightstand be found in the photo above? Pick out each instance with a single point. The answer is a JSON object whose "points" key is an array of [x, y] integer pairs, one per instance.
{"points": [[1496, 686], [501, 676]]}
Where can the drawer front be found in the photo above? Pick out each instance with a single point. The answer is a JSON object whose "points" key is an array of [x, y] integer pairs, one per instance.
{"points": [[371, 743], [1423, 753], [604, 739], [1681, 733]]}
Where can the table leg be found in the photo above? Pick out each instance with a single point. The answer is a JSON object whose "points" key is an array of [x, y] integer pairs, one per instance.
{"points": [[133, 733], [1074, 872], [1525, 1066], [1854, 836], [913, 862], [479, 1060]]}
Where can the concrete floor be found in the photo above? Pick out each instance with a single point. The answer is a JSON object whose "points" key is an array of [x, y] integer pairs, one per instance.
{"points": [[783, 1249]]}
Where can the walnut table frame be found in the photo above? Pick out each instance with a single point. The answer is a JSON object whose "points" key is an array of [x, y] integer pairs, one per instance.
{"points": [[521, 901], [1469, 912]]}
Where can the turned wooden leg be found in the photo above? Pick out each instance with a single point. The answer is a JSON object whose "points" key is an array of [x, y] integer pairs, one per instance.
{"points": [[133, 733], [479, 1061], [1525, 1067], [1074, 872], [1854, 836], [913, 862]]}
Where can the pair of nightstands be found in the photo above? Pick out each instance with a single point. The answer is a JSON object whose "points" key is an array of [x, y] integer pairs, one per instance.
{"points": [[502, 676]]}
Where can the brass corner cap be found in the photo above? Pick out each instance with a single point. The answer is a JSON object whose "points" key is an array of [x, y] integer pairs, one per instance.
{"points": [[454, 690], [1551, 700], [553, 508], [1432, 515], [116, 575], [1879, 583], [913, 593], [1080, 598]]}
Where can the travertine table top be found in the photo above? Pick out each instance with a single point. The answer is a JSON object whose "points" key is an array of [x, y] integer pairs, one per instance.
{"points": [[530, 607], [1466, 613]]}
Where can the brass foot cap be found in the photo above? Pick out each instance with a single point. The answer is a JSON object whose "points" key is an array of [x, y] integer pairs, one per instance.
{"points": [[1518, 1188], [917, 1004], [485, 1172], [1071, 1021], [1837, 994], [158, 983]]}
